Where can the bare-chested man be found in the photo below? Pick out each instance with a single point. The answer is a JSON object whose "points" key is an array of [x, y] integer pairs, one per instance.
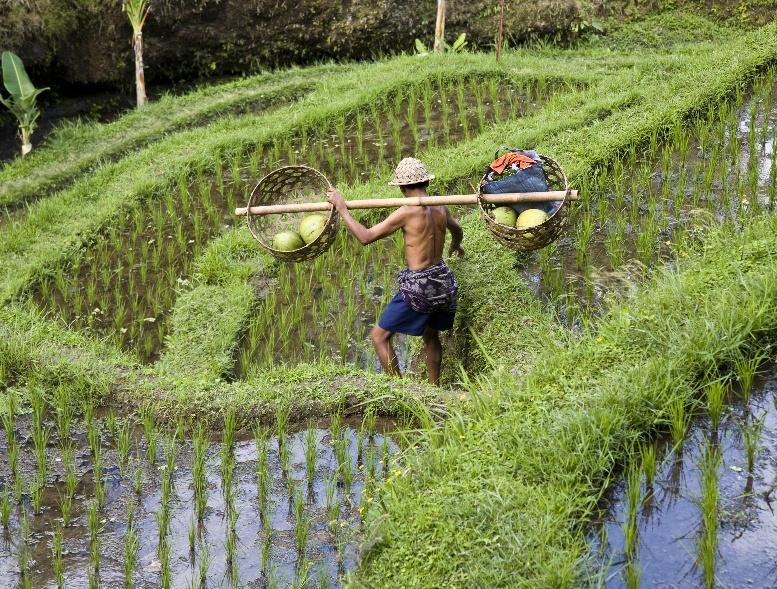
{"points": [[427, 297]]}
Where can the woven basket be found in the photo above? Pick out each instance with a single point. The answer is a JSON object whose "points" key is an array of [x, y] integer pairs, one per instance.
{"points": [[288, 185], [533, 238]]}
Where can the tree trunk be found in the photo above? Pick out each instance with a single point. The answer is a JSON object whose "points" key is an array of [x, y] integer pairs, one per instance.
{"points": [[439, 29], [26, 140], [140, 78], [500, 30]]}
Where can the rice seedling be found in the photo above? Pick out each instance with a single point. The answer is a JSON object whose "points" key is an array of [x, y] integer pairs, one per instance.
{"points": [[124, 442], [331, 503], [648, 461], [40, 439], [715, 393], [56, 554], [311, 448], [679, 421], [631, 574], [93, 522], [36, 485], [64, 412], [751, 438], [163, 552], [633, 496], [346, 470], [99, 482], [192, 536], [68, 459], [5, 509], [110, 425], [708, 504], [301, 523], [149, 430], [230, 544], [230, 425], [199, 480], [746, 369]]}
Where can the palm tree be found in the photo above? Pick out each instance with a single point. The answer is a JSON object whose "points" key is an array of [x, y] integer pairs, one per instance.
{"points": [[500, 30], [137, 12], [439, 29]]}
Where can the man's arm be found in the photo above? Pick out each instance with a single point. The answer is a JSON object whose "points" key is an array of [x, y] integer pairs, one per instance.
{"points": [[457, 234], [366, 235]]}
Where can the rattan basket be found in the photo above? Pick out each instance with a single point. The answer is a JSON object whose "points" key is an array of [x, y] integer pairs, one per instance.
{"points": [[537, 237], [287, 185]]}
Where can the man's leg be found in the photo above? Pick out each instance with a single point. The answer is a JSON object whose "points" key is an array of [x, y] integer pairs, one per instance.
{"points": [[381, 339], [433, 349]]}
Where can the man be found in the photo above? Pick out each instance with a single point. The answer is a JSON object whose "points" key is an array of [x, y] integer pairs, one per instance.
{"points": [[427, 297]]}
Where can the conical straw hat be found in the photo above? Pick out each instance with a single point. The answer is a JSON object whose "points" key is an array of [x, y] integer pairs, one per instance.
{"points": [[410, 171]]}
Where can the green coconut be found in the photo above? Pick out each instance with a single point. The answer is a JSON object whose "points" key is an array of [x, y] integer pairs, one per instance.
{"points": [[311, 227], [287, 241], [531, 218], [505, 216]]}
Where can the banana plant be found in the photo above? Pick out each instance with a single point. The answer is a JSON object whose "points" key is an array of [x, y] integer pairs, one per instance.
{"points": [[23, 98], [137, 13]]}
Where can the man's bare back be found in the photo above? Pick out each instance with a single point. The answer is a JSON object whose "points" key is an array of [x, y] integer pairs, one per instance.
{"points": [[423, 229], [424, 232]]}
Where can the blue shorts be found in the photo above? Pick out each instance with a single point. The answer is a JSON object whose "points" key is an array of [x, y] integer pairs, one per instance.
{"points": [[398, 317]]}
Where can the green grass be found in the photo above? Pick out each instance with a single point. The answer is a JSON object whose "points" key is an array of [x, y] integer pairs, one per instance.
{"points": [[209, 317]]}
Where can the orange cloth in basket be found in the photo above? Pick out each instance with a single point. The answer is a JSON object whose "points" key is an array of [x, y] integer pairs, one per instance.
{"points": [[522, 161]]}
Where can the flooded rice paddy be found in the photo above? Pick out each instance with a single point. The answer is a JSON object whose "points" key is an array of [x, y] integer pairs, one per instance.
{"points": [[115, 503], [719, 168], [707, 517], [124, 284]]}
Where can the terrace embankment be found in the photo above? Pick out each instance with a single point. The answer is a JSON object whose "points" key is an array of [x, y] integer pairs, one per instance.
{"points": [[498, 496], [74, 149]]}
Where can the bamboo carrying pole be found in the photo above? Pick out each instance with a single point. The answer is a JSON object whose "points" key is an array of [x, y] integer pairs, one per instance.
{"points": [[381, 203]]}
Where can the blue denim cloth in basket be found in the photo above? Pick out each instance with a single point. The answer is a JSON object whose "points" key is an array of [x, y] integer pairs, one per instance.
{"points": [[531, 179]]}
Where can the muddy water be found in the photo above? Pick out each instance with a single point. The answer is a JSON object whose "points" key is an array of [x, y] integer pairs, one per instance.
{"points": [[648, 205], [669, 518], [265, 553], [132, 299]]}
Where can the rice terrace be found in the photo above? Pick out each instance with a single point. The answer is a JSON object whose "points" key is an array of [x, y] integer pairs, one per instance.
{"points": [[388, 294]]}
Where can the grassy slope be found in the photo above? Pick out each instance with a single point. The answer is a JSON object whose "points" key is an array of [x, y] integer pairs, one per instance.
{"points": [[495, 498], [209, 317], [56, 227], [74, 148]]}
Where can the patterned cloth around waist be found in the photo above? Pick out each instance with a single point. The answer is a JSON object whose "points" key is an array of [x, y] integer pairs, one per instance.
{"points": [[430, 290]]}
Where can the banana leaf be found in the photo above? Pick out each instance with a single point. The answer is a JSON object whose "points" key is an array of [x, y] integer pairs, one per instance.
{"points": [[16, 80]]}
